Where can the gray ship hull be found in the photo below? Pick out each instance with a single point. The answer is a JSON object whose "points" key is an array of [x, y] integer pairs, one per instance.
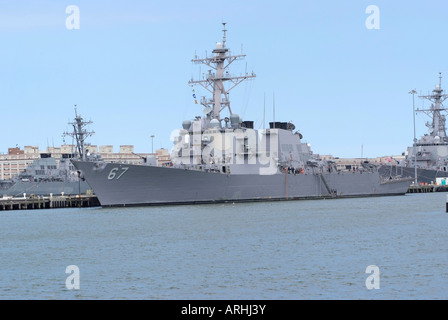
{"points": [[4, 185], [423, 175], [137, 185], [46, 188]]}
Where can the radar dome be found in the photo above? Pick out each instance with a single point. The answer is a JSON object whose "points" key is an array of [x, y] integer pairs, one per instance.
{"points": [[214, 123], [186, 124], [218, 45], [234, 120]]}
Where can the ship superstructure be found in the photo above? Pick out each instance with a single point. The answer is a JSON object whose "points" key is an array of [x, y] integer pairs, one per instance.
{"points": [[80, 134], [226, 143], [427, 159], [431, 150]]}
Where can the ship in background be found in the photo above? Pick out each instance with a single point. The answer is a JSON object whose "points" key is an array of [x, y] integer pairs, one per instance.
{"points": [[53, 173], [5, 185], [221, 158], [47, 175], [427, 160]]}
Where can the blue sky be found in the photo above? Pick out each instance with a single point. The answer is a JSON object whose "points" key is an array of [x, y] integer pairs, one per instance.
{"points": [[128, 65]]}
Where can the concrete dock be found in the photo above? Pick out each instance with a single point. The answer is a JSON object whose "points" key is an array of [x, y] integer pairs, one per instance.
{"points": [[48, 202]]}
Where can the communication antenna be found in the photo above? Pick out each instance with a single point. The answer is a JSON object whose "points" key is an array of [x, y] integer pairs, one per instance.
{"points": [[435, 111], [80, 133], [264, 111], [273, 107], [214, 81]]}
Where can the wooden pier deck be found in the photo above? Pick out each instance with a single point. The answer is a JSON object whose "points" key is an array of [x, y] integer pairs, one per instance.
{"points": [[48, 202]]}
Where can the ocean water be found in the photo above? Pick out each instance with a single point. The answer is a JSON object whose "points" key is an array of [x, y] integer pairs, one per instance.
{"points": [[314, 249]]}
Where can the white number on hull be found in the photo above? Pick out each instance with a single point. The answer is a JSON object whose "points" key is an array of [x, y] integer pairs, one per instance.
{"points": [[113, 173]]}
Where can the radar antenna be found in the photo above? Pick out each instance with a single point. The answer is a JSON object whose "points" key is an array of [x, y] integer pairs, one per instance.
{"points": [[437, 126], [80, 133], [214, 81]]}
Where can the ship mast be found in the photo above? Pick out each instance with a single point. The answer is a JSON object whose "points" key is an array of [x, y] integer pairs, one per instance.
{"points": [[80, 133], [214, 80], [437, 127]]}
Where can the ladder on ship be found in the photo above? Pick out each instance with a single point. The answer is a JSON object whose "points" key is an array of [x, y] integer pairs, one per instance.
{"points": [[330, 191]]}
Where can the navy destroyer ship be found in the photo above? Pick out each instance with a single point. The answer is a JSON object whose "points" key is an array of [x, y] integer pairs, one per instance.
{"points": [[221, 158], [427, 159], [48, 175]]}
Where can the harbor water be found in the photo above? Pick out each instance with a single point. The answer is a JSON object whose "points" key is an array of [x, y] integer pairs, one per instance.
{"points": [[313, 249]]}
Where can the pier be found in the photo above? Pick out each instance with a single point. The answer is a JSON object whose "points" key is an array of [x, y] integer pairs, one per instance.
{"points": [[48, 202], [424, 188]]}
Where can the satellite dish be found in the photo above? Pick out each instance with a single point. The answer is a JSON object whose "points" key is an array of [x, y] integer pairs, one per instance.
{"points": [[207, 110]]}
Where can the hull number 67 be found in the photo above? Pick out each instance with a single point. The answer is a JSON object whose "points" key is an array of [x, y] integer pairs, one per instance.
{"points": [[116, 174]]}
